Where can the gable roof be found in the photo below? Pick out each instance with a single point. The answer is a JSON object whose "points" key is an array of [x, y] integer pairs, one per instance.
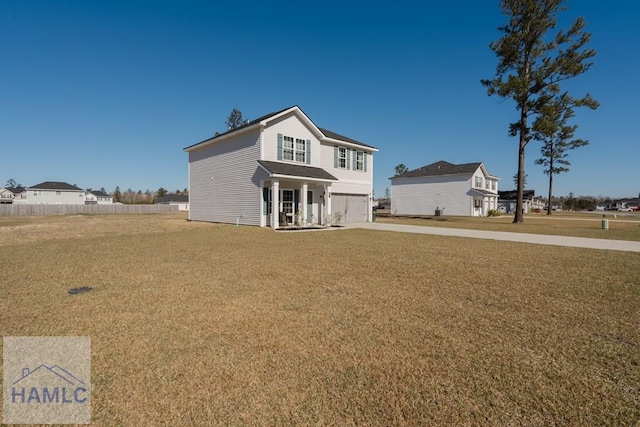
{"points": [[261, 121], [177, 198], [441, 168], [15, 190], [98, 193], [54, 185], [513, 194], [277, 168]]}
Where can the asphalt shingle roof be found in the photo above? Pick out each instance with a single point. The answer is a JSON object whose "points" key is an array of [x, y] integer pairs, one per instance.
{"points": [[441, 168], [326, 132], [277, 168], [177, 198], [54, 185]]}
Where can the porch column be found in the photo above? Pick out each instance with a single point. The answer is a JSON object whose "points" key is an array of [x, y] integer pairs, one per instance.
{"points": [[275, 209], [370, 208], [327, 199], [303, 189]]}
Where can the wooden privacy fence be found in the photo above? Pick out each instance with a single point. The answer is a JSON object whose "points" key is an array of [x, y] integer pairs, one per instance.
{"points": [[43, 209]]}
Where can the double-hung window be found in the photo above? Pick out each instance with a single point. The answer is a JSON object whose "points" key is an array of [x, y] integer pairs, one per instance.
{"points": [[301, 150], [294, 149], [287, 148], [359, 158], [478, 182], [342, 157]]}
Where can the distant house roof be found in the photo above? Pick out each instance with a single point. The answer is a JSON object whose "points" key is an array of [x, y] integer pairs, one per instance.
{"points": [[174, 198], [98, 193], [277, 168], [441, 168], [513, 194], [248, 124], [15, 190], [54, 185]]}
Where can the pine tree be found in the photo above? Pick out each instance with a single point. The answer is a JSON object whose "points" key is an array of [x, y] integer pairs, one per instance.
{"points": [[532, 64]]}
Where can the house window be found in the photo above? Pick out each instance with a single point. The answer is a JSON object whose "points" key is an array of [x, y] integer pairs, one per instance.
{"points": [[294, 149], [301, 149], [287, 148], [478, 182], [359, 157], [486, 183], [35, 193], [342, 157], [493, 184]]}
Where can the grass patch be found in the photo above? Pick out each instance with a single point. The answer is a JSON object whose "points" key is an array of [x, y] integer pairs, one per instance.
{"points": [[574, 225], [205, 324]]}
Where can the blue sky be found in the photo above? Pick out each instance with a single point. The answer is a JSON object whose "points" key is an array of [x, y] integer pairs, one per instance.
{"points": [[108, 93]]}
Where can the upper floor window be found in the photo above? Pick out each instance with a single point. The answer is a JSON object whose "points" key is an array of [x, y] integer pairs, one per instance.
{"points": [[342, 157], [294, 149], [478, 182], [301, 150], [359, 158], [287, 148], [493, 184]]}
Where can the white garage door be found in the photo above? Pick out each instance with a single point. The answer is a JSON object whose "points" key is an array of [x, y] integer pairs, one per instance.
{"points": [[352, 206]]}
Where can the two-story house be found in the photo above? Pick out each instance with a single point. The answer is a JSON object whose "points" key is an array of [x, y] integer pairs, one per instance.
{"points": [[58, 193], [280, 169], [460, 190], [97, 197]]}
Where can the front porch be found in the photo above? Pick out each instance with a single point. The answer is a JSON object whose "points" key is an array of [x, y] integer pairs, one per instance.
{"points": [[295, 204]]}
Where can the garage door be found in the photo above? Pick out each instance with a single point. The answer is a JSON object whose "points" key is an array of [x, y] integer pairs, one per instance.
{"points": [[352, 206]]}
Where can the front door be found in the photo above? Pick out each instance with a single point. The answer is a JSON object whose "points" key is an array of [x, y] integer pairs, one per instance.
{"points": [[286, 206]]}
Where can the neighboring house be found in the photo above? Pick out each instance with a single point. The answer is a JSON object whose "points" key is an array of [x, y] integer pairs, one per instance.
{"points": [[97, 197], [6, 196], [450, 189], [179, 200], [507, 201], [10, 195], [280, 169], [58, 193]]}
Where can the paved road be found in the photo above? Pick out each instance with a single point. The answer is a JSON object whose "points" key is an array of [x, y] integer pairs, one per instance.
{"points": [[541, 239]]}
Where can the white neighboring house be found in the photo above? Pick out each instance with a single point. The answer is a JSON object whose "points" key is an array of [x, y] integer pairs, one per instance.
{"points": [[280, 169], [97, 197], [55, 193], [179, 200], [11, 195], [460, 190], [6, 196], [507, 201]]}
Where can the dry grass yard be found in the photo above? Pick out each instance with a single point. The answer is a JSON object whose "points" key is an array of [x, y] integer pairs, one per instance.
{"points": [[622, 227], [206, 324]]}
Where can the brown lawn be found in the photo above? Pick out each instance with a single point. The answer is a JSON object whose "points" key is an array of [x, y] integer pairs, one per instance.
{"points": [[206, 324], [621, 227]]}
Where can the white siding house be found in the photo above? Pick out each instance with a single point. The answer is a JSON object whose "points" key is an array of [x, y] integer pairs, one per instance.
{"points": [[280, 169], [460, 190], [179, 200], [97, 197], [55, 193]]}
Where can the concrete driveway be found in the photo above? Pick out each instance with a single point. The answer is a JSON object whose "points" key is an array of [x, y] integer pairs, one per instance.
{"points": [[540, 239]]}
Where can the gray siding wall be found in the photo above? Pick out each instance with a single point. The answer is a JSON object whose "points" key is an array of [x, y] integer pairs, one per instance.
{"points": [[421, 196], [224, 181]]}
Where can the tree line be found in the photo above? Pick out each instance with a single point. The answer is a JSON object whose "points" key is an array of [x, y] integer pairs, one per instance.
{"points": [[130, 196]]}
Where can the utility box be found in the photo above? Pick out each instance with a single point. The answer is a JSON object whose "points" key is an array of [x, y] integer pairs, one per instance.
{"points": [[605, 224], [438, 212]]}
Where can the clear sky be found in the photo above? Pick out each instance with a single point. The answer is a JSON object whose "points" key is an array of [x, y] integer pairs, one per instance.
{"points": [[108, 93]]}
